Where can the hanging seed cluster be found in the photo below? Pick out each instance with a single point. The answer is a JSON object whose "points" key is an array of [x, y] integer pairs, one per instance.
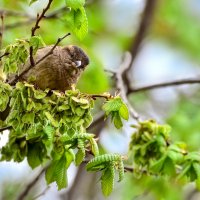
{"points": [[40, 118]]}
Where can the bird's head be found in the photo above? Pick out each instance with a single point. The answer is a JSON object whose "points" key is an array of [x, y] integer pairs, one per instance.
{"points": [[78, 56]]}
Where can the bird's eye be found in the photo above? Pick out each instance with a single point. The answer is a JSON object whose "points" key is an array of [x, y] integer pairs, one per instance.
{"points": [[78, 63]]}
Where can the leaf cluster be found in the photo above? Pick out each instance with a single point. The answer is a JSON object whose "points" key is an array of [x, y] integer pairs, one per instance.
{"points": [[107, 164], [117, 109], [155, 154], [48, 125], [19, 52]]}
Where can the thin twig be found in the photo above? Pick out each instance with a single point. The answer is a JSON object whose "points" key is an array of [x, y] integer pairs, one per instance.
{"points": [[140, 35], [105, 96], [5, 128], [16, 78], [1, 30], [39, 18], [165, 84], [120, 84], [52, 15], [5, 54], [29, 186], [42, 193]]}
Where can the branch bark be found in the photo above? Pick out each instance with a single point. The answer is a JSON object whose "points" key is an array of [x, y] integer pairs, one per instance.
{"points": [[164, 84], [33, 30], [143, 28], [29, 186]]}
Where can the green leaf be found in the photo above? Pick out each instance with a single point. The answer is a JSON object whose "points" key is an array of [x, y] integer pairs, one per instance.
{"points": [[33, 155], [75, 4], [193, 156], [70, 157], [39, 94], [196, 167], [36, 42], [77, 19], [112, 105], [158, 165], [117, 121], [107, 180], [94, 147], [51, 119], [123, 112], [80, 155], [100, 162], [57, 172], [28, 118], [32, 1]]}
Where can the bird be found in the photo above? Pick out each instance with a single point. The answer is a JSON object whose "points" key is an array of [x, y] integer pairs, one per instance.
{"points": [[58, 71]]}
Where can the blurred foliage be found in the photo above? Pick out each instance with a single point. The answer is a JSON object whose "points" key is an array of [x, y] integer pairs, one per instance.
{"points": [[175, 24], [185, 122], [150, 188]]}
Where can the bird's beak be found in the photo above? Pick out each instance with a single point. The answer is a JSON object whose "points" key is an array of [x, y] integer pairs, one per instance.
{"points": [[78, 63]]}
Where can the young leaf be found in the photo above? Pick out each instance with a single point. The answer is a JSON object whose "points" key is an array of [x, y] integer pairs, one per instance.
{"points": [[33, 155], [57, 172], [117, 121], [123, 112], [112, 105], [32, 1], [75, 4], [80, 155], [77, 19], [36, 42], [107, 180], [94, 147]]}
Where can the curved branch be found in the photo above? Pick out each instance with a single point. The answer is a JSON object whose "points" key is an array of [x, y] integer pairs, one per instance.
{"points": [[27, 189], [39, 18], [140, 34], [165, 84]]}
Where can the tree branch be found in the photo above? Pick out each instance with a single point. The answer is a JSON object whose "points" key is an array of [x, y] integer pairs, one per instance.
{"points": [[5, 128], [140, 35], [5, 54], [52, 15], [33, 30], [1, 30], [42, 193], [165, 84], [120, 84], [27, 189], [17, 77]]}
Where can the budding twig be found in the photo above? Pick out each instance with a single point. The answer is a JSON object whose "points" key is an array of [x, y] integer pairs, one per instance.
{"points": [[39, 18]]}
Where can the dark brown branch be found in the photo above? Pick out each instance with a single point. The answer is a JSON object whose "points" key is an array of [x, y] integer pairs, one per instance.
{"points": [[39, 18], [27, 189], [16, 78], [42, 193], [165, 84], [1, 30], [121, 87], [5, 54], [52, 15], [105, 96], [140, 34], [5, 128]]}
